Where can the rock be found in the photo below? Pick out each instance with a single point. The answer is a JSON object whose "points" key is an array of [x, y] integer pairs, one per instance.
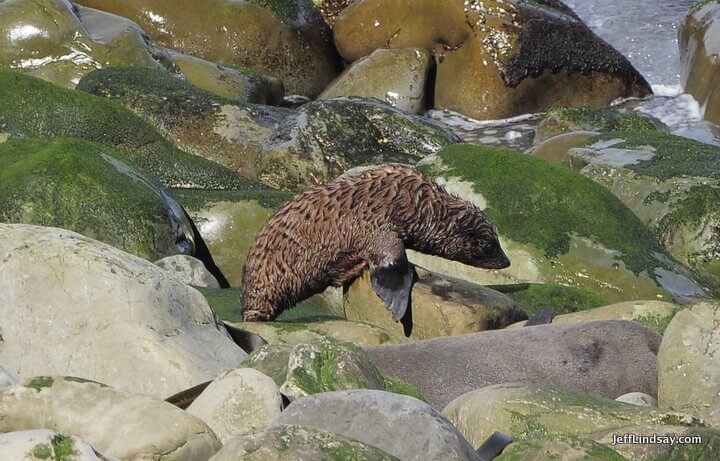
{"points": [[80, 186], [608, 358], [659, 445], [534, 297], [287, 40], [119, 424], [292, 333], [238, 83], [45, 444], [638, 398], [281, 148], [556, 227], [240, 401], [699, 44], [563, 120], [495, 59], [397, 77], [298, 443], [653, 314], [322, 365], [441, 306], [96, 312], [329, 9], [555, 149], [672, 184], [54, 40], [528, 411], [188, 270], [561, 449], [33, 108], [688, 362], [402, 426]]}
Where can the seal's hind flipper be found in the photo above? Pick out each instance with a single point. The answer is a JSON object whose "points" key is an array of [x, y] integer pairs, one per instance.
{"points": [[393, 279]]}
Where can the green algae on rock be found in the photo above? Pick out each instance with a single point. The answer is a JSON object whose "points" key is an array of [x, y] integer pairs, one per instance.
{"points": [[562, 448], [285, 39], [33, 108], [80, 186], [561, 120], [671, 183], [533, 297], [559, 227]]}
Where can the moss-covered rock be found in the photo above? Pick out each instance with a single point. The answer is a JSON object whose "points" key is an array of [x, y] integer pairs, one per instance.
{"points": [[558, 227], [292, 333], [32, 108], [533, 297], [555, 149], [80, 186], [561, 120], [46, 445], [562, 448], [659, 445], [441, 306], [495, 58], [286, 39], [671, 183], [528, 411]]}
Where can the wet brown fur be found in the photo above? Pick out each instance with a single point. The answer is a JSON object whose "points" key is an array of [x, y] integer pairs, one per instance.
{"points": [[328, 235]]}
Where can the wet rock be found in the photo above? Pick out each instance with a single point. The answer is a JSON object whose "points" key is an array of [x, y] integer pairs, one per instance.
{"points": [[397, 77], [495, 59], [292, 333], [118, 424], [699, 41], [672, 184], [555, 149], [557, 227], [441, 306], [46, 444], [529, 411], [57, 41], [534, 297], [653, 314], [688, 362], [562, 449], [33, 108], [299, 443], [188, 270], [96, 312], [561, 120], [81, 186], [285, 39], [638, 398], [659, 445], [402, 426], [607, 358], [240, 401]]}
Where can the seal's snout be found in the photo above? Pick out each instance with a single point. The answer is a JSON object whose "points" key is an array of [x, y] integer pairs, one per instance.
{"points": [[503, 261]]}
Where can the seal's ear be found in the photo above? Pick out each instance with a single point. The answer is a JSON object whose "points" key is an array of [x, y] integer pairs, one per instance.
{"points": [[392, 277]]}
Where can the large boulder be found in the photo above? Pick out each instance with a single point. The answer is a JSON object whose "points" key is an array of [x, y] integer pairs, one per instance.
{"points": [[402, 426], [528, 411], [497, 58], [119, 424], [288, 40], [298, 443], [557, 227], [441, 306], [688, 362], [33, 108], [46, 444], [562, 448], [607, 358], [76, 306], [87, 188], [699, 46], [702, 443], [671, 183]]}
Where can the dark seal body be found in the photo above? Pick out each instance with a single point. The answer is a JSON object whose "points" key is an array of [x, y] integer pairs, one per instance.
{"points": [[328, 235]]}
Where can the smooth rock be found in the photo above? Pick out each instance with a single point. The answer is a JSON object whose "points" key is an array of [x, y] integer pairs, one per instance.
{"points": [[76, 306], [689, 362], [402, 426], [188, 270], [397, 77], [119, 424], [659, 444], [555, 149], [6, 379], [563, 120], [638, 398], [298, 443], [528, 411], [608, 358], [441, 306], [240, 401], [561, 449], [45, 444]]}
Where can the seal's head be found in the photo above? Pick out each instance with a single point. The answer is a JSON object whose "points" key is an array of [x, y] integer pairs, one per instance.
{"points": [[473, 240]]}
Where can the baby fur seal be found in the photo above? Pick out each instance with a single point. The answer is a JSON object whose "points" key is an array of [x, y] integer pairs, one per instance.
{"points": [[328, 235]]}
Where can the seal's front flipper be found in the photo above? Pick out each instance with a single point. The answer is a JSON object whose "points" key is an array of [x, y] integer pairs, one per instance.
{"points": [[392, 277]]}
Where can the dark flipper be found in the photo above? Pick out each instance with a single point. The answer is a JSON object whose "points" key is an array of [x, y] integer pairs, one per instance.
{"points": [[392, 278], [183, 399], [542, 317], [493, 446], [247, 340]]}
